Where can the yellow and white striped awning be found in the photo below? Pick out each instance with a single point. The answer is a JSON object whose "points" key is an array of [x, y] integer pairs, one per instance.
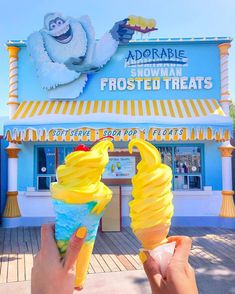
{"points": [[158, 108], [201, 119]]}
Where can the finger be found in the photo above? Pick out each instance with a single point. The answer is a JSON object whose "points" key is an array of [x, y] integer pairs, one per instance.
{"points": [[124, 32], [74, 247], [124, 41], [126, 36], [183, 246], [130, 32], [48, 244], [35, 259], [152, 270]]}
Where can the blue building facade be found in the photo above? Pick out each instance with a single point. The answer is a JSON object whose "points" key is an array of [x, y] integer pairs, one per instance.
{"points": [[170, 92]]}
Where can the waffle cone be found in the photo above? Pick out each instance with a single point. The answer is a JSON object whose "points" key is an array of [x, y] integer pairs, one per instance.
{"points": [[82, 264], [77, 215], [153, 236]]}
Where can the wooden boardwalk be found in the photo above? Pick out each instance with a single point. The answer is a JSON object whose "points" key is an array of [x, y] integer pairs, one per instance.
{"points": [[114, 252]]}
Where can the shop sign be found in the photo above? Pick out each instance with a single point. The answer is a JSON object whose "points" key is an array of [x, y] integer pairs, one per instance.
{"points": [[124, 134], [120, 134], [120, 167], [155, 69], [66, 55]]}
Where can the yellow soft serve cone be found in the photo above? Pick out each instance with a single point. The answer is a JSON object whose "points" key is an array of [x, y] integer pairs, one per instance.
{"points": [[151, 209]]}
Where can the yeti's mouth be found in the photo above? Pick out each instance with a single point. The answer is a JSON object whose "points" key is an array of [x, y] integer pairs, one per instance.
{"points": [[65, 37]]}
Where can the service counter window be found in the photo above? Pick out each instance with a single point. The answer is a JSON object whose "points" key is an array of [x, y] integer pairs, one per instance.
{"points": [[186, 164], [47, 160], [185, 161], [187, 168]]}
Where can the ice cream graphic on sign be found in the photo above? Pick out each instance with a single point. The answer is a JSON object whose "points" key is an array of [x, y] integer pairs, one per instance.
{"points": [[65, 51]]}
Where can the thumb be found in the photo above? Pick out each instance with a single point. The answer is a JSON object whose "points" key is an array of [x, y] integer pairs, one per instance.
{"points": [[122, 22], [183, 247], [74, 247]]}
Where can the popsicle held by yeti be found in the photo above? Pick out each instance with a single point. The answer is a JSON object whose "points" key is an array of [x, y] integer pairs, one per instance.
{"points": [[79, 199]]}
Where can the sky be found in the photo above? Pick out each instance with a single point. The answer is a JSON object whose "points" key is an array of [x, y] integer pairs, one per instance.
{"points": [[175, 18]]}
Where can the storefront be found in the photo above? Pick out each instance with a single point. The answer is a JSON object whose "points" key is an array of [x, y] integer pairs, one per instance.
{"points": [[172, 92]]}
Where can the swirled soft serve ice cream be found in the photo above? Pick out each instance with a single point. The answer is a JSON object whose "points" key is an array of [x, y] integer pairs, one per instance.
{"points": [[151, 209], [79, 199]]}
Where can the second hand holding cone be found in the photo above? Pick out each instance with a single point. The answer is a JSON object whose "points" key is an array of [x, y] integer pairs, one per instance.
{"points": [[151, 209]]}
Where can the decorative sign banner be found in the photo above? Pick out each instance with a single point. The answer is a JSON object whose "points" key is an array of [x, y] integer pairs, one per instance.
{"points": [[68, 58], [155, 69], [156, 83], [125, 134], [119, 134]]}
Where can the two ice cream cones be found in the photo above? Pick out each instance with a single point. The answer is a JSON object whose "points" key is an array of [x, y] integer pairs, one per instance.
{"points": [[80, 199]]}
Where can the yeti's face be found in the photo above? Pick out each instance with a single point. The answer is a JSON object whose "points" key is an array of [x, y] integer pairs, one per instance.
{"points": [[60, 30]]}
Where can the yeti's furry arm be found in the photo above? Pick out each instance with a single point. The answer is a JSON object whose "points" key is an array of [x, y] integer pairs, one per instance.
{"points": [[90, 34], [104, 50], [51, 74]]}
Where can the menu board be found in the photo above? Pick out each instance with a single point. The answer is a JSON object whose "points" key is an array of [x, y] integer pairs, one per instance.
{"points": [[120, 167]]}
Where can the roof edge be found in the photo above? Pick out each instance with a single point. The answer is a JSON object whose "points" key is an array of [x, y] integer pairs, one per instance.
{"points": [[22, 43]]}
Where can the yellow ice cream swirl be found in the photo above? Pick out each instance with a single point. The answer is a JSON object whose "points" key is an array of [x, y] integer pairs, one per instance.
{"points": [[152, 203], [142, 22], [78, 180]]}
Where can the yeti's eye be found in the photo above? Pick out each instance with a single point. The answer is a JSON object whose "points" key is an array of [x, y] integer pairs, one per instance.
{"points": [[52, 26], [59, 22]]}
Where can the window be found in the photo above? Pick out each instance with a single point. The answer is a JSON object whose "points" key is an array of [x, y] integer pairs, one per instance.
{"points": [[166, 154], [187, 159], [185, 162], [48, 158]]}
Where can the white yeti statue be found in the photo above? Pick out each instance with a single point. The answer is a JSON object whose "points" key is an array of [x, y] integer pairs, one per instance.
{"points": [[65, 51]]}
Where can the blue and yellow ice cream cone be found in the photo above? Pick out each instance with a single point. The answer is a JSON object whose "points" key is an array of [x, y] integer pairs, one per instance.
{"points": [[79, 199]]}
